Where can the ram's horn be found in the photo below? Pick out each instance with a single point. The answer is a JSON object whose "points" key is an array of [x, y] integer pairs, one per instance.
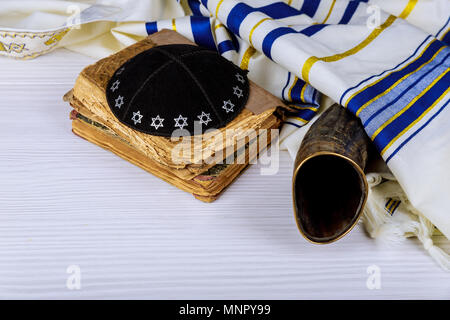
{"points": [[329, 186]]}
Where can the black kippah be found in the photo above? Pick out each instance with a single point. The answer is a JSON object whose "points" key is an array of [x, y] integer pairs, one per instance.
{"points": [[169, 87]]}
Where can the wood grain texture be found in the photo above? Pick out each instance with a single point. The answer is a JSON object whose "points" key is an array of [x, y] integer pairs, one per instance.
{"points": [[64, 201]]}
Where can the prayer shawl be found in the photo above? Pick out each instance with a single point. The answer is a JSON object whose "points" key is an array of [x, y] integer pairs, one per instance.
{"points": [[386, 61]]}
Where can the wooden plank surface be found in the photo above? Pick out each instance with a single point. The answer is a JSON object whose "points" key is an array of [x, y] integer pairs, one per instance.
{"points": [[66, 202]]}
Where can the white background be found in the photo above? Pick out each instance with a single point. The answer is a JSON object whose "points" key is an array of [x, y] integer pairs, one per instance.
{"points": [[64, 201]]}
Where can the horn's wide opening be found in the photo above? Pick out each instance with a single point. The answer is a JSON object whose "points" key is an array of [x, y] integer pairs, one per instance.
{"points": [[329, 195]]}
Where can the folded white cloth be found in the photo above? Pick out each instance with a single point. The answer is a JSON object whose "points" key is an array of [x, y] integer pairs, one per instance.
{"points": [[386, 61]]}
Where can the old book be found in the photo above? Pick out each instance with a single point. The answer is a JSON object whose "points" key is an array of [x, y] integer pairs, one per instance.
{"points": [[205, 177]]}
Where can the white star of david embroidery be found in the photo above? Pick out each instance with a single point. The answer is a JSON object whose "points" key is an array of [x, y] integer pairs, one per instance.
{"points": [[240, 78], [157, 122], [137, 116], [178, 124], [120, 70], [119, 102], [115, 85], [202, 118], [237, 91], [228, 106]]}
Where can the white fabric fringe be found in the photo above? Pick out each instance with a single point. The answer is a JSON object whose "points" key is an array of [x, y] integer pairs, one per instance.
{"points": [[405, 222]]}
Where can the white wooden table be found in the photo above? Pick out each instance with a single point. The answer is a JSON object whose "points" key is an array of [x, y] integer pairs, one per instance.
{"points": [[65, 202]]}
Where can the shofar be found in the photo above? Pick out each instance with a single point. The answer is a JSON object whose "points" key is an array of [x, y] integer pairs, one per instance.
{"points": [[329, 185]]}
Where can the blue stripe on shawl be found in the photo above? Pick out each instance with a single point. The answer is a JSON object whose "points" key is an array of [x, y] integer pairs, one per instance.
{"points": [[393, 129], [195, 7], [201, 30], [278, 32], [311, 30], [276, 10], [349, 12], [310, 7], [416, 132], [296, 91], [272, 36], [443, 27], [225, 46], [377, 75], [372, 91], [306, 114], [446, 38], [405, 91], [151, 27]]}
